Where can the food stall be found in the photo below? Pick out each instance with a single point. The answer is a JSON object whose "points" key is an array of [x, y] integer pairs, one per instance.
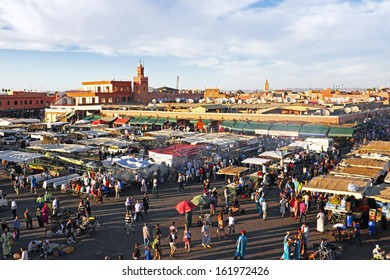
{"points": [[341, 189], [235, 171]]}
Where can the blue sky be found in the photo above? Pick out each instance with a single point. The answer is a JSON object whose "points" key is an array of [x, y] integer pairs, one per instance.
{"points": [[234, 44]]}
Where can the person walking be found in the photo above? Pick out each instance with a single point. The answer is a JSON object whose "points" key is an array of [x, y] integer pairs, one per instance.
{"points": [[136, 252], [14, 207], [137, 210], [148, 253], [283, 204], [302, 211], [154, 187], [156, 245], [128, 223], [172, 242], [264, 208], [221, 226], [117, 190], [88, 208], [206, 239], [45, 214], [33, 185], [321, 221], [145, 203], [28, 218], [356, 232], [5, 239], [146, 235], [287, 249], [16, 226], [180, 181], [187, 238], [241, 246], [231, 224]]}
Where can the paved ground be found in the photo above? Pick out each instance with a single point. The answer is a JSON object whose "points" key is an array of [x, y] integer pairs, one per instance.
{"points": [[264, 237]]}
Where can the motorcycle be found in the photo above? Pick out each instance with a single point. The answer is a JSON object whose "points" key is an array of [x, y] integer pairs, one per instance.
{"points": [[327, 251]]}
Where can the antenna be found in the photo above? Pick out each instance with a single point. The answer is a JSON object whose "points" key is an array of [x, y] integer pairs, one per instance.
{"points": [[177, 82]]}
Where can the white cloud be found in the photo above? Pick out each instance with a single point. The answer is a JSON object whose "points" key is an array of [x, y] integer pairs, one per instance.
{"points": [[232, 37]]}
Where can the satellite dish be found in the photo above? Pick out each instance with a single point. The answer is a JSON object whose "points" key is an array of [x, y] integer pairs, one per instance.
{"points": [[288, 99], [306, 101], [154, 101], [347, 110], [239, 101], [177, 100], [325, 113]]}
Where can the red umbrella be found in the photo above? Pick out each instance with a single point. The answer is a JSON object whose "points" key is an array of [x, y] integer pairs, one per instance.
{"points": [[184, 206]]}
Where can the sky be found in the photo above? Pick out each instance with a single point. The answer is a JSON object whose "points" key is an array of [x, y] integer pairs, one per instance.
{"points": [[229, 44]]}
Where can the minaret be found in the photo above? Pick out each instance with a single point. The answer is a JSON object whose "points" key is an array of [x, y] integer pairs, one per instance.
{"points": [[266, 86], [141, 85]]}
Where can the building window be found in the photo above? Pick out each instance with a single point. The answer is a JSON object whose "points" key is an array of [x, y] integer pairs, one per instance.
{"points": [[16, 102], [117, 100], [129, 99], [1, 103], [128, 88], [121, 88], [93, 100], [30, 101], [83, 100], [8, 103], [110, 100], [98, 89], [41, 101], [124, 99], [36, 101], [103, 100], [115, 88]]}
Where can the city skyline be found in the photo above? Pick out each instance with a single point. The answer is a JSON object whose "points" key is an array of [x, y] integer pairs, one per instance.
{"points": [[231, 45]]}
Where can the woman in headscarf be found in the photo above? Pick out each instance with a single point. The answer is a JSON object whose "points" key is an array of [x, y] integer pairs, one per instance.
{"points": [[6, 243], [286, 249], [45, 214]]}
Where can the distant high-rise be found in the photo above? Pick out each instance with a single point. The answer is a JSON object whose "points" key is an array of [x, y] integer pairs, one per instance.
{"points": [[266, 86]]}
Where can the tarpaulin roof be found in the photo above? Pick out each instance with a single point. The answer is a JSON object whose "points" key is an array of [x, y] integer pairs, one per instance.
{"points": [[232, 170], [354, 171], [18, 157], [181, 150], [284, 129], [238, 126], [227, 124], [61, 148], [341, 132], [121, 120], [379, 192], [337, 185], [273, 154], [365, 162], [133, 163], [256, 161], [313, 130]]}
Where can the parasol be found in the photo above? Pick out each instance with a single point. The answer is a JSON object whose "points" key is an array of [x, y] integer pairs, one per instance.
{"points": [[200, 200], [184, 206]]}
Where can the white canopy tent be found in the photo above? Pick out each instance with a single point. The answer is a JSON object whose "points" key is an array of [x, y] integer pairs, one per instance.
{"points": [[256, 161], [273, 154], [18, 157]]}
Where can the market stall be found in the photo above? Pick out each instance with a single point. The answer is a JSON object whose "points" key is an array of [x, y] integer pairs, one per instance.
{"points": [[340, 190]]}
